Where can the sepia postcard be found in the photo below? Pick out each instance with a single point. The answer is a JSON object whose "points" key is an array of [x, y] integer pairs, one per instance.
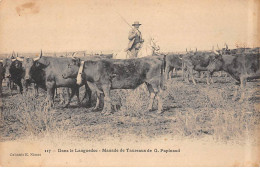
{"points": [[129, 83]]}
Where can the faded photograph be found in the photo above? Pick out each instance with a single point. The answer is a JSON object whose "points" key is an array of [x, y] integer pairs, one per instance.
{"points": [[129, 83]]}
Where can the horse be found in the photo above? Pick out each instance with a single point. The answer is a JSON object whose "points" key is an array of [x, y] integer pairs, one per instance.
{"points": [[148, 48]]}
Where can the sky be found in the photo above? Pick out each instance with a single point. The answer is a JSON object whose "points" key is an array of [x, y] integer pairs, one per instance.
{"points": [[71, 25]]}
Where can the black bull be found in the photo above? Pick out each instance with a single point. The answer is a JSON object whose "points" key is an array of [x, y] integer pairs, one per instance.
{"points": [[109, 74]]}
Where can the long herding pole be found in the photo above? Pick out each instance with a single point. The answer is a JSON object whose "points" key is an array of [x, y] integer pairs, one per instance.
{"points": [[124, 19]]}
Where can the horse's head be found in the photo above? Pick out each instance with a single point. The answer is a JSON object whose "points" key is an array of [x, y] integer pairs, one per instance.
{"points": [[154, 45]]}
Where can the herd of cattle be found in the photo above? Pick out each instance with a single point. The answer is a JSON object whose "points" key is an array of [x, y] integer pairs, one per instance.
{"points": [[101, 73]]}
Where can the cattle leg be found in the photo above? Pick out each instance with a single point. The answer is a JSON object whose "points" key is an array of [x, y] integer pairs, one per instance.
{"points": [[242, 87], [73, 92], [50, 96], [192, 76], [235, 93], [186, 76], [199, 74], [36, 90], [160, 104], [220, 74], [176, 74], [208, 83], [89, 93], [56, 92], [97, 102], [167, 71], [182, 69], [77, 94], [50, 92], [10, 85], [25, 87], [107, 101], [152, 96], [174, 71], [211, 79], [20, 87]]}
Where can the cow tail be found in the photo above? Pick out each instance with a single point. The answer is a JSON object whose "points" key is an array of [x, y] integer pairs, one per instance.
{"points": [[162, 73]]}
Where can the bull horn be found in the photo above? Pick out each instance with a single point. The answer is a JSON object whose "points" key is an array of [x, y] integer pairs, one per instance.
{"points": [[196, 49], [186, 50], [218, 46], [13, 59], [74, 54], [215, 52], [41, 53], [19, 58], [37, 58], [13, 54], [226, 45]]}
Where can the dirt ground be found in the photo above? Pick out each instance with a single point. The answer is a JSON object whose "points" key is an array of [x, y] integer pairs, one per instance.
{"points": [[190, 111]]}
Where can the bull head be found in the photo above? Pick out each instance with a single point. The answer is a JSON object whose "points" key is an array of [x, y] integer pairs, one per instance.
{"points": [[76, 61], [15, 58]]}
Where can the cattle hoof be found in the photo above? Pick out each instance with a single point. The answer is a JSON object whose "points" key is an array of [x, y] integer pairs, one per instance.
{"points": [[94, 110], [107, 113], [159, 112]]}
